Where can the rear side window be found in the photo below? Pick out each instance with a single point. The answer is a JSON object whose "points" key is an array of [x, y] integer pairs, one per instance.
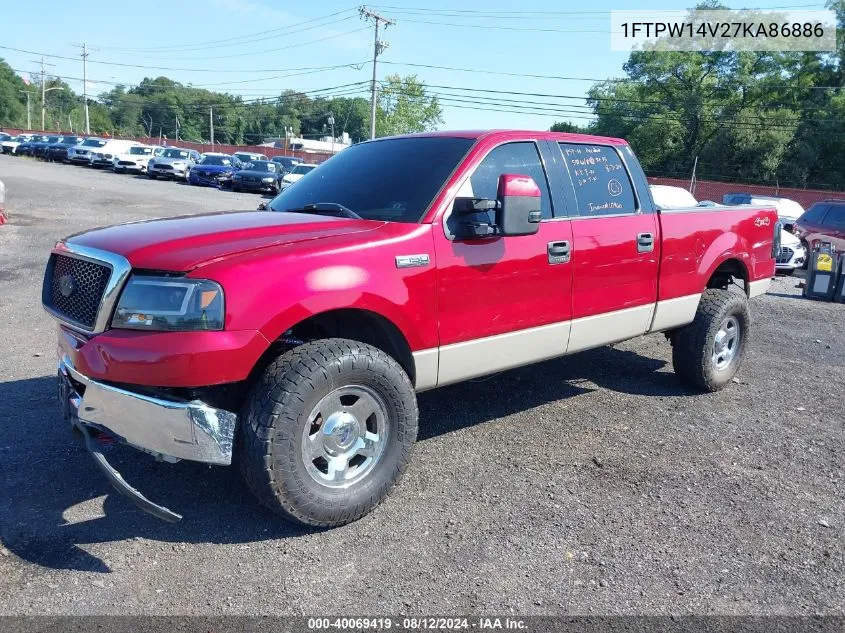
{"points": [[601, 182]]}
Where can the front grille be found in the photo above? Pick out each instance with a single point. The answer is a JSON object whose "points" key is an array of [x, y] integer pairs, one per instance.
{"points": [[785, 255], [73, 288], [165, 166], [125, 162]]}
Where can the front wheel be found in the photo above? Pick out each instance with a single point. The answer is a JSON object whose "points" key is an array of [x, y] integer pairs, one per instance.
{"points": [[707, 352], [327, 431]]}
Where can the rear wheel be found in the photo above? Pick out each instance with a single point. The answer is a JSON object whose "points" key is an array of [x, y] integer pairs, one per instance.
{"points": [[707, 353], [327, 431]]}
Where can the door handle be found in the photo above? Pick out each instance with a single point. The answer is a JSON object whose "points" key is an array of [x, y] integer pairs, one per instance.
{"points": [[559, 252], [645, 242]]}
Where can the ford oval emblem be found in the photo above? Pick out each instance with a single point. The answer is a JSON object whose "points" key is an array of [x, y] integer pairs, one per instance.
{"points": [[67, 285]]}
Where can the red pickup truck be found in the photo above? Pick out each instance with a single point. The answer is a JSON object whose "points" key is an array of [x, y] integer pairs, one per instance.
{"points": [[293, 338]]}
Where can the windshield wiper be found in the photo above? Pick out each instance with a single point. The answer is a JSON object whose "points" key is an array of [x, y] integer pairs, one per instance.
{"points": [[327, 208]]}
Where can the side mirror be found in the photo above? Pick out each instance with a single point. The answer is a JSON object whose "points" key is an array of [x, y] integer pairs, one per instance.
{"points": [[518, 211], [262, 206]]}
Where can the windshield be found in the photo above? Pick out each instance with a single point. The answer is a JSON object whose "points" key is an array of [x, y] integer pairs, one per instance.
{"points": [[54, 139], [261, 165], [71, 140], [302, 169], [249, 157], [394, 180], [94, 142], [175, 153], [141, 151], [225, 161]]}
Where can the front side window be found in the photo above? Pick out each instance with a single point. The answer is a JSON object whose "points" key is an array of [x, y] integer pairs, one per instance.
{"points": [[511, 158], [600, 180]]}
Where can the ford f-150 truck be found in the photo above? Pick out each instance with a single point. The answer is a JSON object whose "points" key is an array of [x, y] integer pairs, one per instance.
{"points": [[292, 339]]}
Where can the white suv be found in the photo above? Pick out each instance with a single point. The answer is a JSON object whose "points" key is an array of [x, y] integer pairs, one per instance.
{"points": [[135, 159], [104, 155], [81, 154]]}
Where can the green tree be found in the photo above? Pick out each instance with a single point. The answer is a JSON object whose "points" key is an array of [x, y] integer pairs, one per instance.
{"points": [[12, 102], [404, 107]]}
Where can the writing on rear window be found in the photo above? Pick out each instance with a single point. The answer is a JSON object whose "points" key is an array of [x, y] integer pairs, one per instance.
{"points": [[602, 186]]}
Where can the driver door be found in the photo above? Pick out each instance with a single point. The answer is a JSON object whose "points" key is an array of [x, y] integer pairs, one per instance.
{"points": [[503, 301]]}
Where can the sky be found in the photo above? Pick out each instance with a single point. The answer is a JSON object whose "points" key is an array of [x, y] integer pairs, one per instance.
{"points": [[257, 48]]}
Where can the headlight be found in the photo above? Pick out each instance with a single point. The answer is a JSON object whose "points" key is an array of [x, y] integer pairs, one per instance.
{"points": [[170, 304], [267, 179]]}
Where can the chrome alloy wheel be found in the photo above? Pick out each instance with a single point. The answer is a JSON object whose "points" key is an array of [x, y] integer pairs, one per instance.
{"points": [[345, 436], [726, 343]]}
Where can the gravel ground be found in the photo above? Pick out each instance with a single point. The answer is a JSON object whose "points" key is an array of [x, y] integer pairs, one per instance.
{"points": [[593, 484]]}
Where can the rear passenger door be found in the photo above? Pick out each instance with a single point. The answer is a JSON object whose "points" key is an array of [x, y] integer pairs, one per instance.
{"points": [[616, 245]]}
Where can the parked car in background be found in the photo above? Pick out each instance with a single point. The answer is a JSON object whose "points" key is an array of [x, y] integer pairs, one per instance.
{"points": [[104, 156], [5, 137], [788, 210], [295, 174], [823, 222], [81, 154], [174, 163], [135, 159], [214, 170], [287, 163], [58, 151], [248, 157], [257, 175], [11, 145], [35, 145]]}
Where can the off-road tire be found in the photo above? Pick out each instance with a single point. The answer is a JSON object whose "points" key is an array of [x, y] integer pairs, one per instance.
{"points": [[275, 414], [693, 345]]}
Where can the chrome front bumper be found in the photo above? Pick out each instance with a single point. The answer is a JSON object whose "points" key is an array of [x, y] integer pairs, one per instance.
{"points": [[167, 429]]}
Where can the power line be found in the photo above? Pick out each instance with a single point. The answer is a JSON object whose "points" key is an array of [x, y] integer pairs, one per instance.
{"points": [[240, 71], [284, 30]]}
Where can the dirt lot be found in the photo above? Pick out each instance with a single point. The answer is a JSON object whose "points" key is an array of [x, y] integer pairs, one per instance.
{"points": [[593, 484]]}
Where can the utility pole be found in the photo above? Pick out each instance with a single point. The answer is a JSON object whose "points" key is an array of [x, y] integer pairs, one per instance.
{"points": [[44, 89], [85, 86], [177, 128], [28, 115], [378, 49], [211, 125]]}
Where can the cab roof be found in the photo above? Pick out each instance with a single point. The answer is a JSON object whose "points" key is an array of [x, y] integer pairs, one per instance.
{"points": [[520, 134]]}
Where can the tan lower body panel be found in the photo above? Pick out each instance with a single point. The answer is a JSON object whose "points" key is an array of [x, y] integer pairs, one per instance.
{"points": [[453, 363], [611, 327], [759, 287], [469, 359], [672, 313]]}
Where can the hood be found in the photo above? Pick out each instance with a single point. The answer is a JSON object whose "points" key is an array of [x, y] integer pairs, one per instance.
{"points": [[184, 243], [788, 239], [161, 160], [135, 157], [212, 169], [292, 177]]}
